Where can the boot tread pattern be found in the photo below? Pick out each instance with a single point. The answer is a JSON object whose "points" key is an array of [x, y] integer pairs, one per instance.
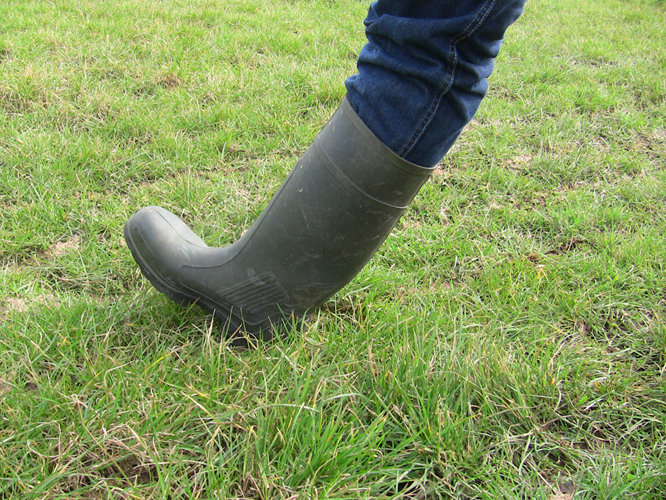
{"points": [[256, 295]]}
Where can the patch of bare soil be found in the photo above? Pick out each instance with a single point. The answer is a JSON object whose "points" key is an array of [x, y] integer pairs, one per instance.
{"points": [[519, 162], [18, 304], [566, 491], [62, 247]]}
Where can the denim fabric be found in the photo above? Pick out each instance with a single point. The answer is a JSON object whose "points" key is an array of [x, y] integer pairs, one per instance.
{"points": [[424, 70]]}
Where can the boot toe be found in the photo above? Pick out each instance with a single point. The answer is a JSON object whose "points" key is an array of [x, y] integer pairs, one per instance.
{"points": [[168, 225], [157, 239]]}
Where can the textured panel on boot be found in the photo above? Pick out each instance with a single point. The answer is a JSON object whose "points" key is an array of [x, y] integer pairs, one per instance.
{"points": [[256, 295]]}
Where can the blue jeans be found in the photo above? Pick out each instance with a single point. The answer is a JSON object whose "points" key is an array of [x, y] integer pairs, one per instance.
{"points": [[424, 71]]}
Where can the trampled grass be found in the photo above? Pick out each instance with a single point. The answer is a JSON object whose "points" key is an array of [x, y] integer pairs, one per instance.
{"points": [[508, 340]]}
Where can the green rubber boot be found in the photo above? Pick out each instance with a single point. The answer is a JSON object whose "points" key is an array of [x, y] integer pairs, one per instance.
{"points": [[328, 218]]}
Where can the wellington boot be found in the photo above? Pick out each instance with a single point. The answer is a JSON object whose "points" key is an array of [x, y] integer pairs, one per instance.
{"points": [[328, 218]]}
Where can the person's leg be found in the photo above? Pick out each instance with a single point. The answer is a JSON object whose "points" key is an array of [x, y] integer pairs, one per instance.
{"points": [[420, 81], [424, 70]]}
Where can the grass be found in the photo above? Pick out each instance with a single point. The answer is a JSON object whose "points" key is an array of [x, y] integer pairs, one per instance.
{"points": [[508, 340]]}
